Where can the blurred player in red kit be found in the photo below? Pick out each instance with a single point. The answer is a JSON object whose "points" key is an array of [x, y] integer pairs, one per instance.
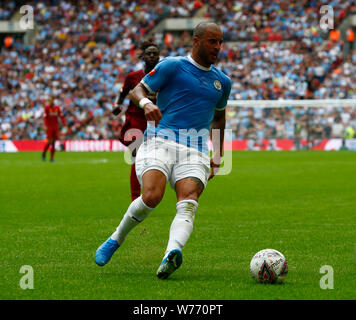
{"points": [[135, 116], [51, 115]]}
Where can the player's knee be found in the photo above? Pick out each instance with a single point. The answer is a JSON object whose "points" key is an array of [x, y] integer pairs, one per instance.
{"points": [[153, 186], [152, 197]]}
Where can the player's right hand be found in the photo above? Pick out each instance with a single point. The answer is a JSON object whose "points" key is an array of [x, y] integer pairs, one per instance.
{"points": [[152, 113], [116, 111]]}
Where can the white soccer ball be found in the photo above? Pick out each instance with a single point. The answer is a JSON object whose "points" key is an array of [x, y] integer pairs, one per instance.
{"points": [[269, 266]]}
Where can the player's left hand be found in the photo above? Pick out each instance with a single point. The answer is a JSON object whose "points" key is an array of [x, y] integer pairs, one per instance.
{"points": [[214, 166]]}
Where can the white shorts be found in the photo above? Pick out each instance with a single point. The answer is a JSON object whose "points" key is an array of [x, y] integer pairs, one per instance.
{"points": [[176, 161]]}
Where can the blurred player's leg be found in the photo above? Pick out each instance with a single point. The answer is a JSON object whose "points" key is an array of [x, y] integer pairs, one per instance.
{"points": [[48, 144], [45, 151], [55, 137], [53, 150], [134, 184]]}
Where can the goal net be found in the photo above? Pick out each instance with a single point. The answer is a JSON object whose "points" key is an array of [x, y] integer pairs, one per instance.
{"points": [[328, 124]]}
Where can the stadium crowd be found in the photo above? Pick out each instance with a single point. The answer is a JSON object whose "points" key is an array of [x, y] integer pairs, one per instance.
{"points": [[7, 9], [274, 20], [84, 50]]}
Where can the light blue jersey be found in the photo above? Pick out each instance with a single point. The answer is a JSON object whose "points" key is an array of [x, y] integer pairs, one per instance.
{"points": [[188, 95]]}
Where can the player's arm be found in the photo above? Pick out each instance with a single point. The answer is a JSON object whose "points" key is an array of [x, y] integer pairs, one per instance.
{"points": [[118, 102], [121, 96], [45, 117], [139, 96], [63, 119], [217, 131]]}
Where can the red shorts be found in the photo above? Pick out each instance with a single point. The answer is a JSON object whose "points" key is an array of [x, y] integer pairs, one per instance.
{"points": [[138, 126], [52, 133]]}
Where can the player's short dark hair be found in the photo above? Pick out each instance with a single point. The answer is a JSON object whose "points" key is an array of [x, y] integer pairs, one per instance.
{"points": [[201, 27], [146, 44]]}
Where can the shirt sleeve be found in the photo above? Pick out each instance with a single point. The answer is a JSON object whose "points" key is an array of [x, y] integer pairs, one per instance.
{"points": [[163, 71], [221, 105]]}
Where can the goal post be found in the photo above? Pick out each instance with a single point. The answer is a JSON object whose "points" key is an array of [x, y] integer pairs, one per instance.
{"points": [[304, 122]]}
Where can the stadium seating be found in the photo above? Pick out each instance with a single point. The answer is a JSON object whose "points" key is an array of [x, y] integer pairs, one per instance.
{"points": [[84, 50]]}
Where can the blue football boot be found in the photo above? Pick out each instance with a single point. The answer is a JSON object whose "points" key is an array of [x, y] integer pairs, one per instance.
{"points": [[170, 264], [104, 253]]}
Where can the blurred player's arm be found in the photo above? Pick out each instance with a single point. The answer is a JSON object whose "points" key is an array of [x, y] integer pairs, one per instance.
{"points": [[63, 119], [118, 102], [45, 116], [117, 105], [140, 96], [64, 122], [217, 131]]}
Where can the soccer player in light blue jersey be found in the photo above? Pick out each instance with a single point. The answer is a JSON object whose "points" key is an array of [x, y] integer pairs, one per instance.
{"points": [[191, 100]]}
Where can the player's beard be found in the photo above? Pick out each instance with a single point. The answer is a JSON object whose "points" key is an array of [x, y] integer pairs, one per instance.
{"points": [[204, 56]]}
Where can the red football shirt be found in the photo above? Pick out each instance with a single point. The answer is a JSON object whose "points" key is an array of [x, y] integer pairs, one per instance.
{"points": [[131, 81], [51, 115], [135, 116]]}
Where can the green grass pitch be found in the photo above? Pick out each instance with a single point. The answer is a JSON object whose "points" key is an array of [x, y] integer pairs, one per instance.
{"points": [[53, 216]]}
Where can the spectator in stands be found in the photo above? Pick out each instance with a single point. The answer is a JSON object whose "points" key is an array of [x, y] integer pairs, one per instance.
{"points": [[350, 40], [349, 132], [334, 35], [337, 129]]}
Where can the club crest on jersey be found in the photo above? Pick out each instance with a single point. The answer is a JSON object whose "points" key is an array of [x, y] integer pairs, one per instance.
{"points": [[152, 72], [217, 85]]}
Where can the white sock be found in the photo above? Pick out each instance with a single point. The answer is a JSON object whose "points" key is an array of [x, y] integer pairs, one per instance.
{"points": [[135, 214], [182, 225]]}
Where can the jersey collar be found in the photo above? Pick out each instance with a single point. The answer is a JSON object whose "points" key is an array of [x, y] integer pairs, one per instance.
{"points": [[197, 64]]}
